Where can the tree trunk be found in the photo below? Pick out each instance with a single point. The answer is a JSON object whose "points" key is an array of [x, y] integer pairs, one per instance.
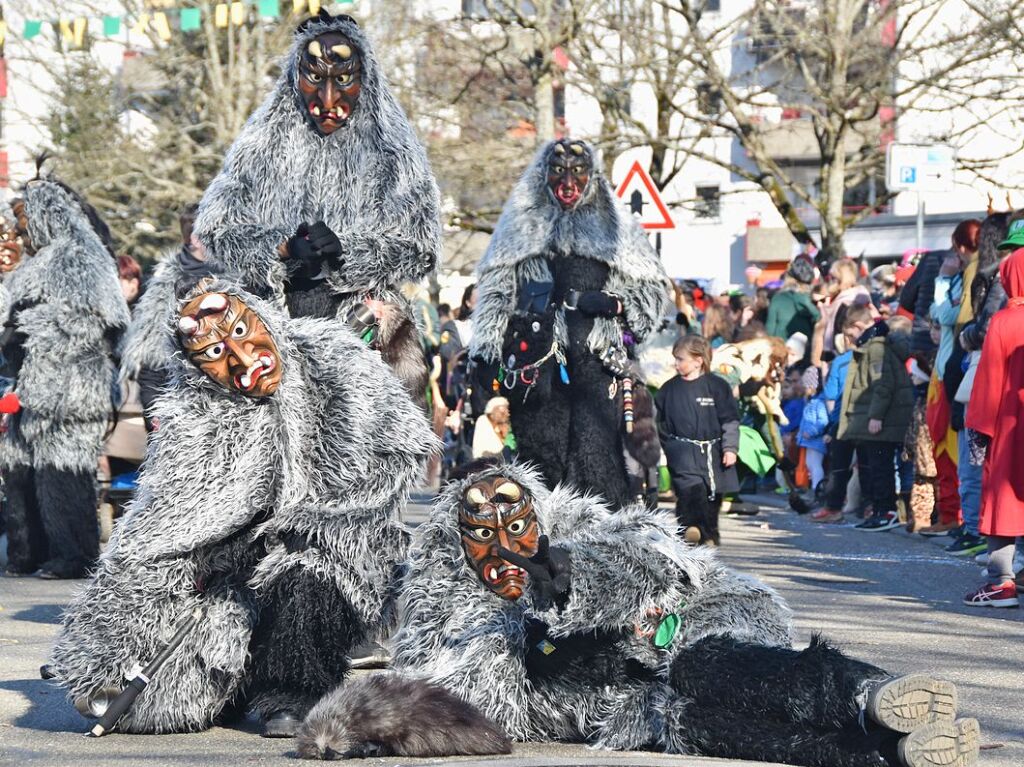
{"points": [[544, 102]]}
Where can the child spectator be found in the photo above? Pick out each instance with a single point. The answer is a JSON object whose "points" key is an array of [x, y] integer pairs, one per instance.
{"points": [[812, 432], [792, 400], [698, 422], [877, 405], [841, 453]]}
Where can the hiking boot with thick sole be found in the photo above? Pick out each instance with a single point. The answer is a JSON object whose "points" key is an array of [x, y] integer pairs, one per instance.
{"points": [[942, 744], [905, 703]]}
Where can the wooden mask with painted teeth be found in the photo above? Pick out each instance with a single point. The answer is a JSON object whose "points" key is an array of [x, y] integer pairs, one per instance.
{"points": [[329, 81], [498, 511], [570, 165], [229, 342]]}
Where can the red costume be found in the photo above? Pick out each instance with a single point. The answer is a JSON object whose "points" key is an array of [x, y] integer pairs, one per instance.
{"points": [[997, 408]]}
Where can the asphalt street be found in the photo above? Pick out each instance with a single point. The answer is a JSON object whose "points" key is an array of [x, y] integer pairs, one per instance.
{"points": [[888, 598]]}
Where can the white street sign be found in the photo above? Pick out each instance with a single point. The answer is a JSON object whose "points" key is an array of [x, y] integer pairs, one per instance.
{"points": [[918, 168]]}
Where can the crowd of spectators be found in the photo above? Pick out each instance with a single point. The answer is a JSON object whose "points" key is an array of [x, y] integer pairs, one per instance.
{"points": [[882, 414]]}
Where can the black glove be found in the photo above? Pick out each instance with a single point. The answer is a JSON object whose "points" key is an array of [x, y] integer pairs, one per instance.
{"points": [[597, 303], [550, 573], [309, 248]]}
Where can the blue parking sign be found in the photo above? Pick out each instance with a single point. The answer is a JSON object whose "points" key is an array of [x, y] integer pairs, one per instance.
{"points": [[908, 175]]}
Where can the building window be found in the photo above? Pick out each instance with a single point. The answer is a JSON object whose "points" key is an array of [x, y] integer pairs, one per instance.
{"points": [[709, 202], [709, 99]]}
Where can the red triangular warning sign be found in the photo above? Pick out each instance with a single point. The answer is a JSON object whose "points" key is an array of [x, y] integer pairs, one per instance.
{"points": [[642, 197]]}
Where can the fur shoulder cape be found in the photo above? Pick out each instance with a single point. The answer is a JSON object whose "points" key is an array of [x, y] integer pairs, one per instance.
{"points": [[369, 181], [533, 226]]}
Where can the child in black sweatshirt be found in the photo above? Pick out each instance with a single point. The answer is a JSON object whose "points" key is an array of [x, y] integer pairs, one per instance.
{"points": [[699, 426]]}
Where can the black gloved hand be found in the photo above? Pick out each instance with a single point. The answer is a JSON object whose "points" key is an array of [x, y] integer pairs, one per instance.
{"points": [[550, 573], [302, 262], [597, 303], [325, 244]]}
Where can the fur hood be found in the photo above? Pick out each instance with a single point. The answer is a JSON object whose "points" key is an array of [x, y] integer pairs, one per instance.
{"points": [[369, 181], [533, 226], [339, 437], [66, 302]]}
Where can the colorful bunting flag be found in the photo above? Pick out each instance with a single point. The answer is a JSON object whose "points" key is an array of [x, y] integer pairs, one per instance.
{"points": [[3, 31], [270, 9], [111, 25], [141, 24], [32, 28], [238, 14], [191, 19], [220, 15], [162, 26]]}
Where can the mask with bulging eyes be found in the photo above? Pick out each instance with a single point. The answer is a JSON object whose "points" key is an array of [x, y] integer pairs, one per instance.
{"points": [[228, 341], [329, 81], [570, 165], [498, 511]]}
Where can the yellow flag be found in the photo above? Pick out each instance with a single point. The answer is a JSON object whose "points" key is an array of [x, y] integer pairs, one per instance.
{"points": [[298, 6], [314, 7], [162, 26], [65, 30], [81, 24], [3, 31], [238, 14], [141, 24], [220, 15]]}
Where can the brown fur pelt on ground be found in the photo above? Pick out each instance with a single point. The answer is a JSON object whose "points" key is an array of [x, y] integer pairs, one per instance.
{"points": [[391, 715]]}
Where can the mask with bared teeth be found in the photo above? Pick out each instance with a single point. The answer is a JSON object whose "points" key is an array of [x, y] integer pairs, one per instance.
{"points": [[229, 342], [498, 511], [570, 166], [329, 81]]}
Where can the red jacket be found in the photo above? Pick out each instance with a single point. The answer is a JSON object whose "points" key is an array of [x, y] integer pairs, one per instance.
{"points": [[997, 408]]}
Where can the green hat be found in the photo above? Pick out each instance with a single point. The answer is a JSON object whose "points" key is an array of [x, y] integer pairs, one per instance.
{"points": [[1014, 237]]}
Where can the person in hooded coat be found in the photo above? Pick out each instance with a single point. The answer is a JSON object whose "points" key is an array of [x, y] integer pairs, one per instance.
{"points": [[516, 603], [567, 288], [995, 411], [326, 200], [64, 317], [270, 498]]}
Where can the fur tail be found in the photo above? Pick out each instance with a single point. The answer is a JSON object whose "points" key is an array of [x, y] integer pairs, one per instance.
{"points": [[392, 715], [643, 444]]}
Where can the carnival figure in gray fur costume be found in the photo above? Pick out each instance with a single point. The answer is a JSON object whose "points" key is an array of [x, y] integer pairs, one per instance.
{"points": [[567, 288], [270, 498], [559, 620], [64, 316], [326, 199]]}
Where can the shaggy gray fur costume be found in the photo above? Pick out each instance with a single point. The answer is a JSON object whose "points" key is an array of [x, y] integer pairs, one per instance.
{"points": [[67, 302], [64, 315], [454, 632], [284, 508], [369, 181], [532, 227], [570, 423], [728, 684]]}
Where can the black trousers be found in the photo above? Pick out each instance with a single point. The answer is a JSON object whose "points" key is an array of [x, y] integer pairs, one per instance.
{"points": [[695, 509], [746, 701], [300, 646], [876, 463], [51, 521], [841, 453]]}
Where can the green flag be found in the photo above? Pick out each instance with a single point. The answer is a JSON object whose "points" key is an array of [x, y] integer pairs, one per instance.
{"points": [[270, 9], [190, 19], [111, 25], [32, 28]]}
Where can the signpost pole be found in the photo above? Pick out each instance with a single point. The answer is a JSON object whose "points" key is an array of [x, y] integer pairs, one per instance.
{"points": [[920, 222]]}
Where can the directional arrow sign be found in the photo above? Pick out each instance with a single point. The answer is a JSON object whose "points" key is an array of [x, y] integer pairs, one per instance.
{"points": [[914, 168], [642, 199]]}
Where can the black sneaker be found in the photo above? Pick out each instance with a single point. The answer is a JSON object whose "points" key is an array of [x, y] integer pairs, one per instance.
{"points": [[879, 522], [967, 545]]}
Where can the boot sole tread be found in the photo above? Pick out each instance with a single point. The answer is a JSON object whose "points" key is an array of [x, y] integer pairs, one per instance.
{"points": [[905, 703], [942, 744]]}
